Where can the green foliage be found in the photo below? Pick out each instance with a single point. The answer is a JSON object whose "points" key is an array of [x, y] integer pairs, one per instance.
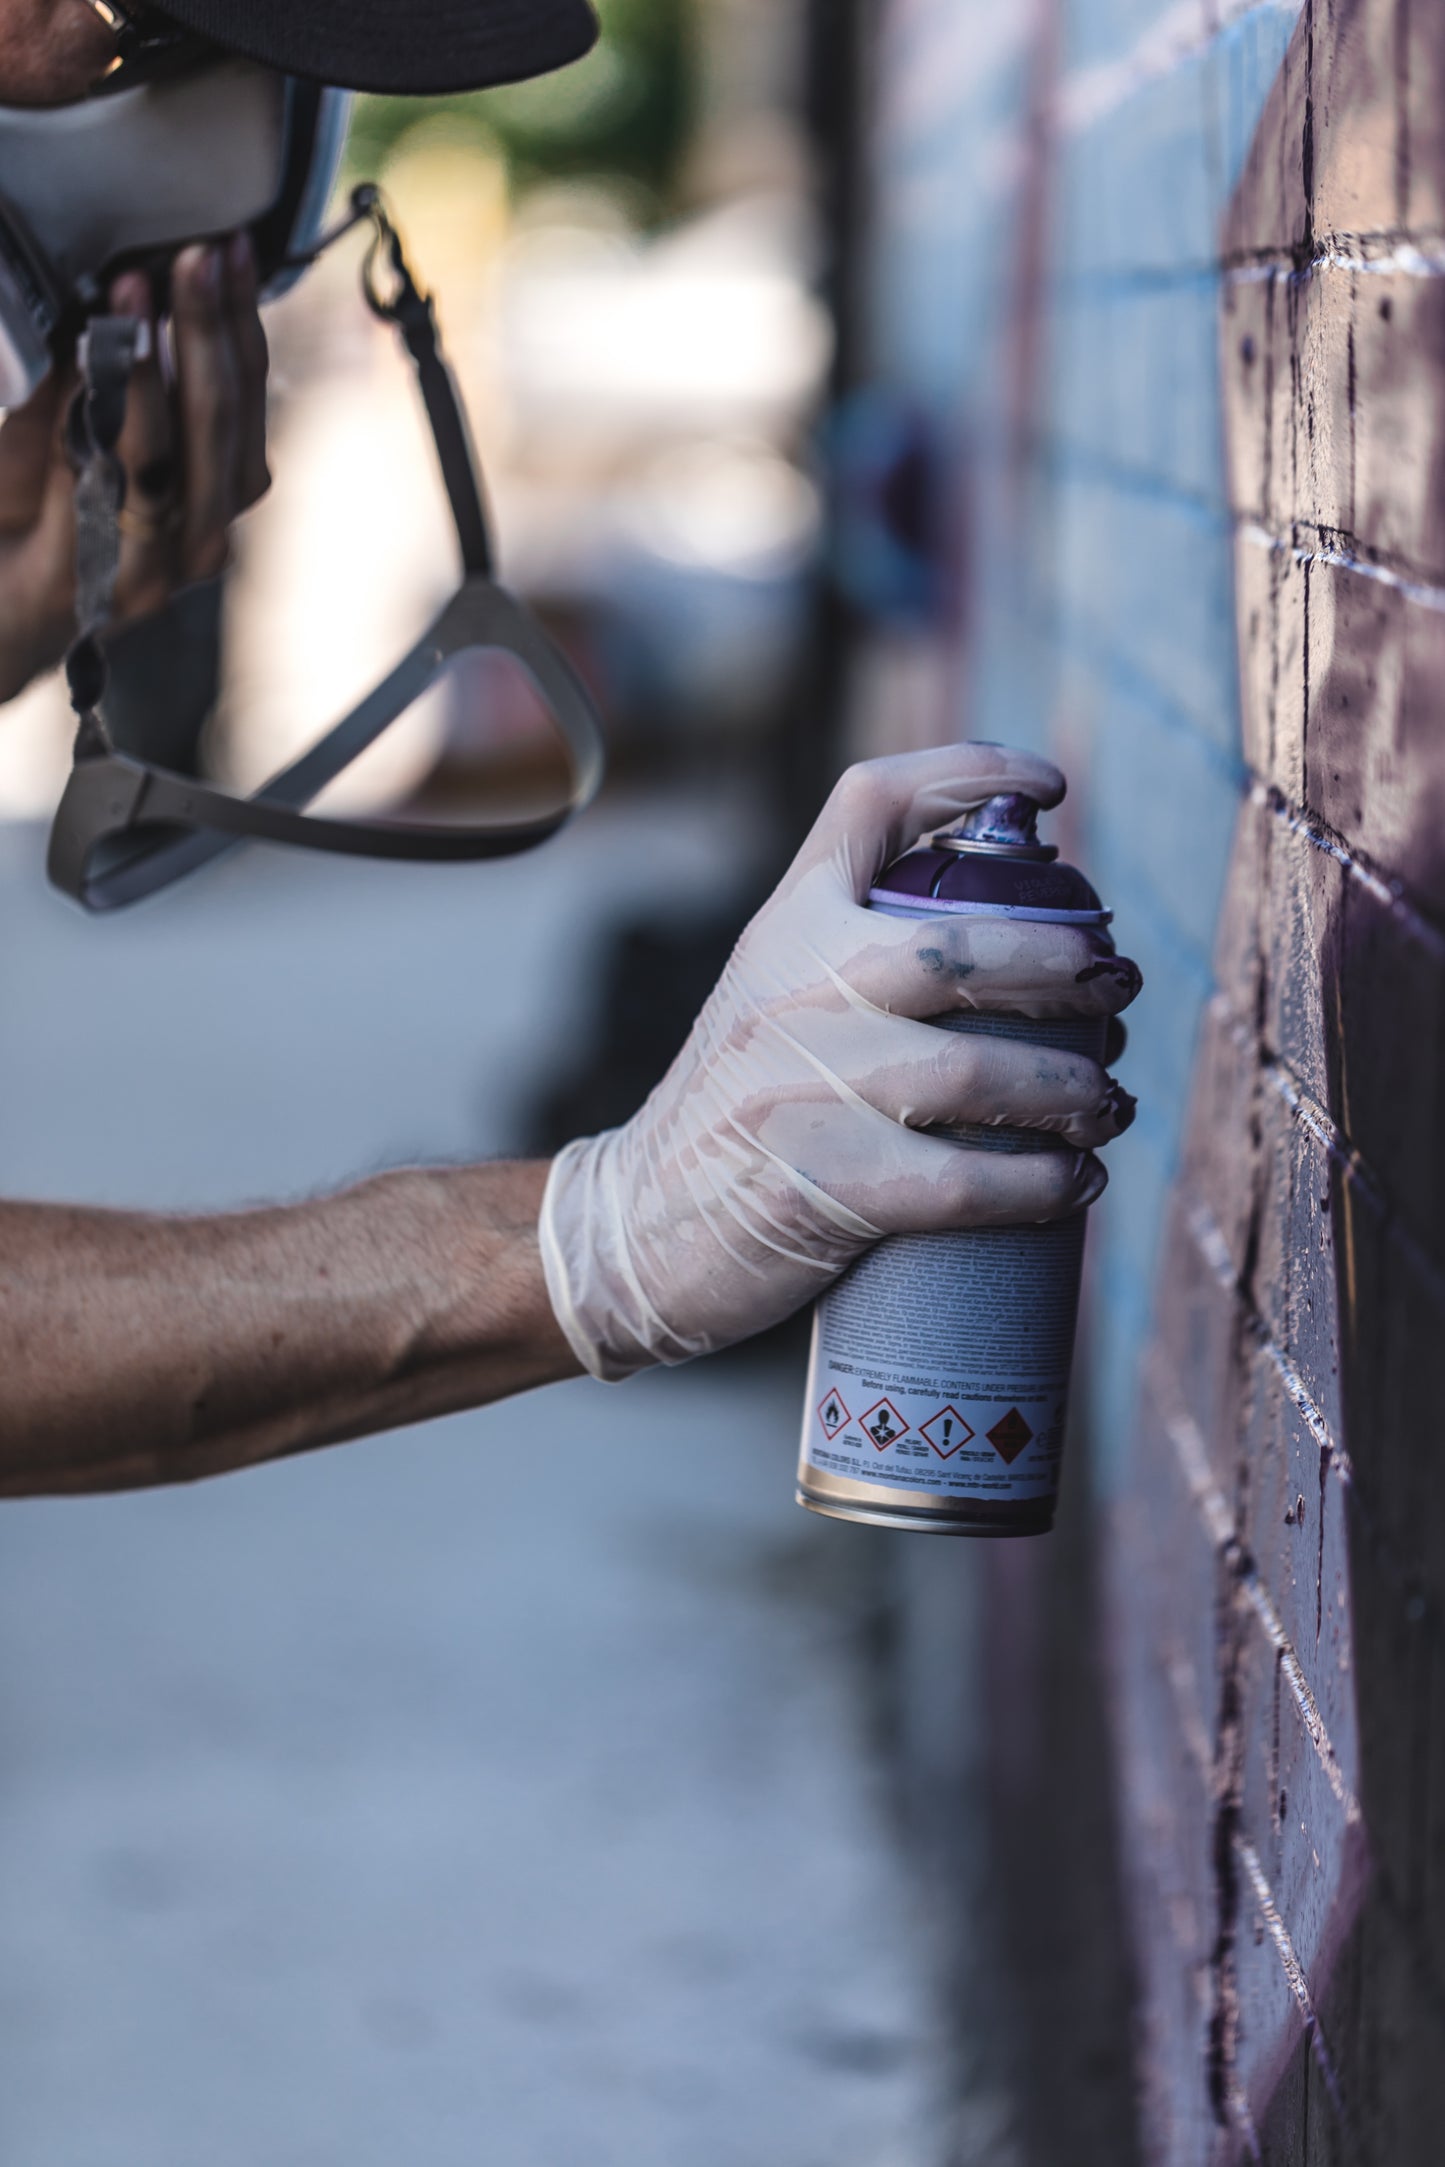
{"points": [[622, 114]]}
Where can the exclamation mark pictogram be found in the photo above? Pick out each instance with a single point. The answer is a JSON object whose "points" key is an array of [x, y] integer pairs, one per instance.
{"points": [[947, 1432]]}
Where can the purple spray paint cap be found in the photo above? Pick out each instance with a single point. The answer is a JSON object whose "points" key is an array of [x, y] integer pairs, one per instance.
{"points": [[991, 862]]}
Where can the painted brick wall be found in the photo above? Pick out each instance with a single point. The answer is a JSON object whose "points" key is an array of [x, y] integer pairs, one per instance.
{"points": [[1051, 184], [1168, 281], [1281, 1562]]}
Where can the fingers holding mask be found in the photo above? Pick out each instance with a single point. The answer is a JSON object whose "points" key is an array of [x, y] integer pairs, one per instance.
{"points": [[194, 450], [208, 394], [221, 393], [252, 475], [151, 516]]}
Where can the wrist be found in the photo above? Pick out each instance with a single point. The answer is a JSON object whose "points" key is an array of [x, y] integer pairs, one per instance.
{"points": [[484, 1310]]}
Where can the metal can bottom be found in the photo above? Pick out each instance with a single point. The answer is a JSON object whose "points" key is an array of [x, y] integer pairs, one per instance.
{"points": [[1034, 1516]]}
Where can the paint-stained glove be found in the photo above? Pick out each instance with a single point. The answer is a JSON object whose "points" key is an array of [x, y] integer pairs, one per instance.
{"points": [[791, 1131]]}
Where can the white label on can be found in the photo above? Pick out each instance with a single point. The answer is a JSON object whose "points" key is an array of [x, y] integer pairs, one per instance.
{"points": [[940, 1362], [987, 1318]]}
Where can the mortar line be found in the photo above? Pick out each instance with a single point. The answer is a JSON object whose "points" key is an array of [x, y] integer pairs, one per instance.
{"points": [[1293, 1969], [1188, 1441], [1357, 863], [1386, 253], [1423, 592], [1244, 2121], [1313, 1117], [1212, 1246]]}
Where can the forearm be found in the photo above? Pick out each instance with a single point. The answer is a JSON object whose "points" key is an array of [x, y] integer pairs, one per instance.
{"points": [[137, 1348]]}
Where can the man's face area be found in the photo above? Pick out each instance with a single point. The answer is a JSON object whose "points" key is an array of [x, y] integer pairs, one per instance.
{"points": [[51, 51]]}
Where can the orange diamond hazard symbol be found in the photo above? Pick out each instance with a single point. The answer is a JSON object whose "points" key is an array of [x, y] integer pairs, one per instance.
{"points": [[832, 1414], [885, 1425], [946, 1431], [1009, 1435]]}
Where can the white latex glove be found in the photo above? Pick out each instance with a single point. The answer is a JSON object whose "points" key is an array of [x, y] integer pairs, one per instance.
{"points": [[790, 1132]]}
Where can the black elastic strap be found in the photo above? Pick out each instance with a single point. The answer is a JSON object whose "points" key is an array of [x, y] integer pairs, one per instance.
{"points": [[415, 318], [126, 827]]}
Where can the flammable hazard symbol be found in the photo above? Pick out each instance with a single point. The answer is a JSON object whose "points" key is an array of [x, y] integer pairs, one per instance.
{"points": [[946, 1431], [1009, 1435], [885, 1425], [832, 1414]]}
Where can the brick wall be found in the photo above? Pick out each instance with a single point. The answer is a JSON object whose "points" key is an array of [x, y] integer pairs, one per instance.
{"points": [[1280, 1560], [1168, 281]]}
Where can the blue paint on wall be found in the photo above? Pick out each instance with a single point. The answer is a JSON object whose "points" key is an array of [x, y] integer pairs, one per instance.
{"points": [[1102, 613]]}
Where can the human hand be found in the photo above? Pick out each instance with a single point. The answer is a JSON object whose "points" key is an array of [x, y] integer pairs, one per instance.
{"points": [[194, 454], [791, 1133]]}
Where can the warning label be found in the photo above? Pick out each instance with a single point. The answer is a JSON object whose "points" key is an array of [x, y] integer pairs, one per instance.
{"points": [[833, 1414], [958, 1347], [1009, 1435], [885, 1425], [947, 1432]]}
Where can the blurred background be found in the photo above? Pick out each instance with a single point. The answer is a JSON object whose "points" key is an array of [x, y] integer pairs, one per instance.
{"points": [[524, 1789], [627, 262]]}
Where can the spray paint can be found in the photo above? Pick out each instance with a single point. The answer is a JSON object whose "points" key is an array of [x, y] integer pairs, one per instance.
{"points": [[939, 1374]]}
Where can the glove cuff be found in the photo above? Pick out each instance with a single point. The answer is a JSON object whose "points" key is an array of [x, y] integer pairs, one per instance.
{"points": [[572, 1238]]}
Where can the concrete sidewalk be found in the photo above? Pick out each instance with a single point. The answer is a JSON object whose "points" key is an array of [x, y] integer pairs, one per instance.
{"points": [[498, 1792]]}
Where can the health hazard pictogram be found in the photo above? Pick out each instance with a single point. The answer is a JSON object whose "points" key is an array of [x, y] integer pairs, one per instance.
{"points": [[832, 1414], [885, 1425], [1009, 1435], [946, 1431]]}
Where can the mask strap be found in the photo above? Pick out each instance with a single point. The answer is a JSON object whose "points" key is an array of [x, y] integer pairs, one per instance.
{"points": [[126, 827], [412, 313], [410, 310]]}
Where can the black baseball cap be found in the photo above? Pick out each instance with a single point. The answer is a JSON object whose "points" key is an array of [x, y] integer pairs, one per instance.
{"points": [[424, 47]]}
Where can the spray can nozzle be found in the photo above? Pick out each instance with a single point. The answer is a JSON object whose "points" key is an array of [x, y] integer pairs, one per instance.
{"points": [[1006, 826]]}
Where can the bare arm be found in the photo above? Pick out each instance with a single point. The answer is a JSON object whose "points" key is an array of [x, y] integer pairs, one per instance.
{"points": [[798, 1125], [136, 1348]]}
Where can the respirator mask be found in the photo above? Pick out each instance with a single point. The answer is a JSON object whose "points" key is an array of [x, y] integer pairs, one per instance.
{"points": [[182, 145]]}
